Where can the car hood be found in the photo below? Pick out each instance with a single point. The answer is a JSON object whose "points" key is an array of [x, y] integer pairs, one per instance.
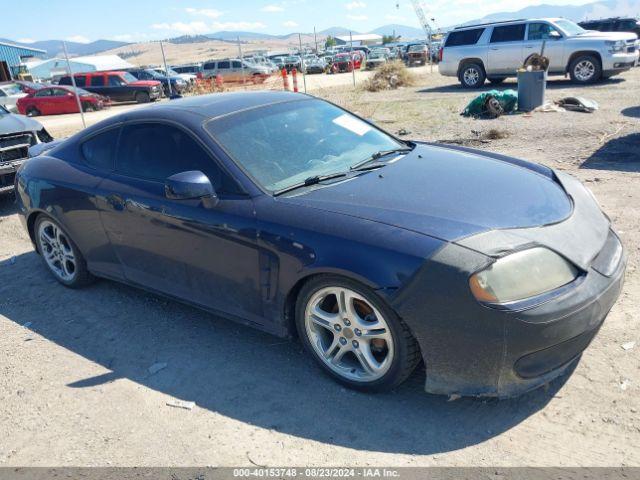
{"points": [[145, 83], [18, 123], [447, 193], [607, 35]]}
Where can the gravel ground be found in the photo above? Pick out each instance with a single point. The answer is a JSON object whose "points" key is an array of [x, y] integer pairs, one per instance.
{"points": [[76, 389]]}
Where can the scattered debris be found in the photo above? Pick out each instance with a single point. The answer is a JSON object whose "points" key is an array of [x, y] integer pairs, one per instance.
{"points": [[390, 76], [181, 404], [549, 107], [454, 397], [403, 132], [628, 345], [625, 384], [156, 367], [536, 62], [479, 137], [578, 104], [492, 104]]}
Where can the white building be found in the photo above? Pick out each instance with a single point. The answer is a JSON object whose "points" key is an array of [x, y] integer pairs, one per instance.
{"points": [[359, 39], [56, 67]]}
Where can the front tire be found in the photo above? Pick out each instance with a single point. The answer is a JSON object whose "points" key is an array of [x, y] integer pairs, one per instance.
{"points": [[585, 69], [32, 112], [354, 335], [60, 254], [142, 97], [472, 75]]}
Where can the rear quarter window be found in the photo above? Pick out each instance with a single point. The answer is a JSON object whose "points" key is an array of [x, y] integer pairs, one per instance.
{"points": [[464, 37], [99, 151]]}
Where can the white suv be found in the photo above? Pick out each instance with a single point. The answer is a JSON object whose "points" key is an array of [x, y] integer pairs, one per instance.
{"points": [[495, 51]]}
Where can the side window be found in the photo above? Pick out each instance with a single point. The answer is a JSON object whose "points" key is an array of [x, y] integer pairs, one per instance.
{"points": [[508, 33], [224, 64], [59, 92], [236, 65], [155, 151], [115, 81], [65, 81], [464, 37], [97, 81], [209, 66], [81, 81], [45, 92], [540, 31], [99, 151]]}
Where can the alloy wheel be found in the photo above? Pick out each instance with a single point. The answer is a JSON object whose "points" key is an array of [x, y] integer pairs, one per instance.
{"points": [[471, 76], [57, 251], [348, 334], [584, 70]]}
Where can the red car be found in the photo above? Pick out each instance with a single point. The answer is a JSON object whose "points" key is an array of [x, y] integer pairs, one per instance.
{"points": [[346, 62], [58, 99]]}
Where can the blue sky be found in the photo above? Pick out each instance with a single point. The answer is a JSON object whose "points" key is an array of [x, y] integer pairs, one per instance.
{"points": [[139, 20]]}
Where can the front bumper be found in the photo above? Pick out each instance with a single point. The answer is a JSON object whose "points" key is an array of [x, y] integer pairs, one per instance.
{"points": [[619, 62], [475, 350]]}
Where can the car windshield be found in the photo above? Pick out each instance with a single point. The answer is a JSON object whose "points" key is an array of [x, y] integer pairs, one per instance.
{"points": [[128, 77], [4, 111], [284, 144], [570, 27], [170, 72], [11, 89], [154, 74]]}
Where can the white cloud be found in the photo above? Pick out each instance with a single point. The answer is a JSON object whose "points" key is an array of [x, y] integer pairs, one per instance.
{"points": [[239, 25], [78, 39], [355, 4], [272, 9], [188, 28], [205, 12], [358, 18], [26, 40], [289, 23]]}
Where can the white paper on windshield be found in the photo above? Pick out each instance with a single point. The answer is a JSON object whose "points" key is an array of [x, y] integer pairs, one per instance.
{"points": [[352, 124]]}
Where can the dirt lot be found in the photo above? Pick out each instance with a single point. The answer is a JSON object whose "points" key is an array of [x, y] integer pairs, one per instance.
{"points": [[75, 385]]}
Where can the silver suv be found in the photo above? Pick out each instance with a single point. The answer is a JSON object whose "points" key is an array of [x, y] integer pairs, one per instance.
{"points": [[235, 70], [495, 51]]}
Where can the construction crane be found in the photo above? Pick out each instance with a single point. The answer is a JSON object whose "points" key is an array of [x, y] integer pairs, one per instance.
{"points": [[424, 23]]}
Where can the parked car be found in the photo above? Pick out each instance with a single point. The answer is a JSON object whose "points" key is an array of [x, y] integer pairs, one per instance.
{"points": [[190, 68], [17, 134], [235, 70], [178, 85], [338, 231], [313, 64], [10, 93], [291, 62], [59, 99], [342, 62], [376, 59], [417, 54], [495, 51], [117, 86], [616, 24], [189, 78]]}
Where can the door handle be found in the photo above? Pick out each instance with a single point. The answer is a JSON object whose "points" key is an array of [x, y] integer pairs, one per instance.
{"points": [[494, 48], [116, 201], [528, 46]]}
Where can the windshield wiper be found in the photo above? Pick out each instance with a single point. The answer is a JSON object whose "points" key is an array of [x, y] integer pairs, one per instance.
{"points": [[314, 180], [379, 155]]}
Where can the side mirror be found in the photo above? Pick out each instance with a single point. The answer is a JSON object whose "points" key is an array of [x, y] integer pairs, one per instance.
{"points": [[189, 186]]}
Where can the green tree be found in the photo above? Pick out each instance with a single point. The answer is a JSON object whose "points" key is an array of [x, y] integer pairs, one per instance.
{"points": [[330, 42], [390, 39]]}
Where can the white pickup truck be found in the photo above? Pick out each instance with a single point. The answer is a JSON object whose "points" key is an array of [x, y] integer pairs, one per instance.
{"points": [[495, 51]]}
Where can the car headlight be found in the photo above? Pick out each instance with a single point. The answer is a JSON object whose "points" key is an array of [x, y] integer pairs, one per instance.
{"points": [[522, 275], [616, 46]]}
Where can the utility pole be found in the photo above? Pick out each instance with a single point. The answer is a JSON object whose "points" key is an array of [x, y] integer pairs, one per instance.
{"points": [[302, 65], [315, 39], [73, 82], [425, 26], [241, 62], [166, 70], [353, 63]]}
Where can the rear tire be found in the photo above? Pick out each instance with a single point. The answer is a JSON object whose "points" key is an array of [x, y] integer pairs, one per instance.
{"points": [[88, 107], [472, 75], [358, 340], [60, 254], [32, 112], [142, 97], [585, 69]]}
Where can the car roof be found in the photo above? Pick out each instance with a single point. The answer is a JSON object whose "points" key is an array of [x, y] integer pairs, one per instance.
{"points": [[220, 104], [506, 22]]}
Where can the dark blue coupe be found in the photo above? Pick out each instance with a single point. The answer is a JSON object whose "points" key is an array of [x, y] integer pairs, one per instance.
{"points": [[289, 214]]}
